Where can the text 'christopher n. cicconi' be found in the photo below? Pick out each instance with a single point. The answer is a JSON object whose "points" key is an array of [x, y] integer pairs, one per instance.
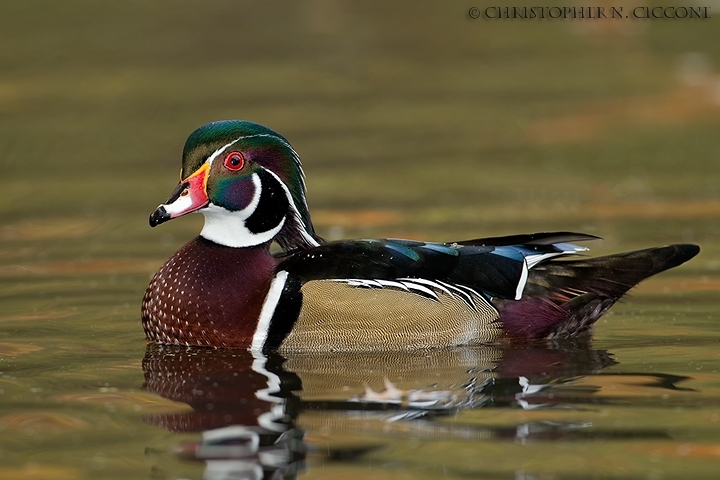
{"points": [[590, 12]]}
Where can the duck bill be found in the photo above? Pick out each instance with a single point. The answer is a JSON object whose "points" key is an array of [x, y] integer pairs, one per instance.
{"points": [[189, 196]]}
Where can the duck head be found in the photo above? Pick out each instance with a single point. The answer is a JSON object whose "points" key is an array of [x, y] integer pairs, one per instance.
{"points": [[248, 183]]}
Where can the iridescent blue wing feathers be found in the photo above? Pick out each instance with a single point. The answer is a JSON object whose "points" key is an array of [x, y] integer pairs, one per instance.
{"points": [[498, 271]]}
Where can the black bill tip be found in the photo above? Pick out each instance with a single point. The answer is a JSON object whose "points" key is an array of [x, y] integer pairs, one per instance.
{"points": [[159, 216]]}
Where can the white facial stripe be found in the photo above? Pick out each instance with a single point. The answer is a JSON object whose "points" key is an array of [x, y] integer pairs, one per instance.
{"points": [[267, 135], [296, 157], [296, 214], [220, 150]]}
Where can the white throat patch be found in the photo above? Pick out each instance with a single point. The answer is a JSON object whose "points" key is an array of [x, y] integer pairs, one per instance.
{"points": [[228, 228]]}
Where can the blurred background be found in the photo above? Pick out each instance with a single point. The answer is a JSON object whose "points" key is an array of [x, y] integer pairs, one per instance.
{"points": [[411, 118]]}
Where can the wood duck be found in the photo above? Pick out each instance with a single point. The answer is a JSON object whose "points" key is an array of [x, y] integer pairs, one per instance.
{"points": [[225, 289]]}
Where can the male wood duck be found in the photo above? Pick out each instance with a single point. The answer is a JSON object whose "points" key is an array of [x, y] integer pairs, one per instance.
{"points": [[225, 288]]}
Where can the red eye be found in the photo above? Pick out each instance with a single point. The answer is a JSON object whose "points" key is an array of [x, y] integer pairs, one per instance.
{"points": [[234, 161]]}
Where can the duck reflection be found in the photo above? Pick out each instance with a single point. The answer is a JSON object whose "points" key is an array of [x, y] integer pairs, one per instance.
{"points": [[254, 411]]}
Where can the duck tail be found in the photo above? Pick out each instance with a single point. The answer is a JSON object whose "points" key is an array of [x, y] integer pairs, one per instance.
{"points": [[564, 298]]}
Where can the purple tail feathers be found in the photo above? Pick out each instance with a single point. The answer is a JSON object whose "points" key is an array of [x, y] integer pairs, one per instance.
{"points": [[564, 298]]}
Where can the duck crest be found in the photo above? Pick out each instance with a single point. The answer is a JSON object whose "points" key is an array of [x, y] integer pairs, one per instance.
{"points": [[225, 288]]}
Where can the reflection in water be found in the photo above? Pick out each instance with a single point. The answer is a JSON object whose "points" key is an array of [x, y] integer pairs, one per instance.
{"points": [[244, 406], [253, 411]]}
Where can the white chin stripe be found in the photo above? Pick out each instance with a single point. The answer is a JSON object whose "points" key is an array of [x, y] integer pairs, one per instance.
{"points": [[228, 228]]}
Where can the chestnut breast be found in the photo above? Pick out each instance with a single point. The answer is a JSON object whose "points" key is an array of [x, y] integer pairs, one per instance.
{"points": [[208, 295]]}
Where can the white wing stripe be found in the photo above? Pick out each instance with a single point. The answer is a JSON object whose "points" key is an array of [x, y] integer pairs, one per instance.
{"points": [[469, 290], [464, 295], [565, 249], [522, 281], [429, 283], [420, 288], [423, 287], [389, 283]]}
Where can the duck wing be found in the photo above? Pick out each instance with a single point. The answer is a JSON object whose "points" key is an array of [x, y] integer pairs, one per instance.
{"points": [[495, 266]]}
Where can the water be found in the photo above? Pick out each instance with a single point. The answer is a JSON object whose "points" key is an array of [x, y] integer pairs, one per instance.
{"points": [[412, 121]]}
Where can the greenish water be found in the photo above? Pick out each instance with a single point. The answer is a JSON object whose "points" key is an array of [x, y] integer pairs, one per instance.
{"points": [[412, 121]]}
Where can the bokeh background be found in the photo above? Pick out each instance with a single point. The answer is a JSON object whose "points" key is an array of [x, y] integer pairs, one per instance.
{"points": [[412, 120]]}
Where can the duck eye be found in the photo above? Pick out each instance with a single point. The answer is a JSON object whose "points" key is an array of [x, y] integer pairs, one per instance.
{"points": [[234, 161]]}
